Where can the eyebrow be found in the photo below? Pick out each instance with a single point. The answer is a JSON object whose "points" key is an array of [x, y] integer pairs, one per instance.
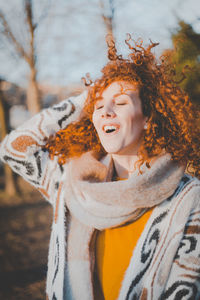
{"points": [[114, 96], [119, 94], [122, 92], [98, 99]]}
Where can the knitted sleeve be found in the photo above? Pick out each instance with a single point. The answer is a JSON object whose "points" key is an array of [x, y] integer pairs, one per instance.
{"points": [[184, 278], [22, 148]]}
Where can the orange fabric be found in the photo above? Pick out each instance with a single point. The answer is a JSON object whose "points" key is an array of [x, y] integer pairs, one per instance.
{"points": [[114, 248]]}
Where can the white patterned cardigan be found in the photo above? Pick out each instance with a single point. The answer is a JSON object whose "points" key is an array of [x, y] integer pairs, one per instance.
{"points": [[166, 261]]}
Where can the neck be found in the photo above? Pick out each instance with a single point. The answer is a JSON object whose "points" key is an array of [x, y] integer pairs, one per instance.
{"points": [[124, 164]]}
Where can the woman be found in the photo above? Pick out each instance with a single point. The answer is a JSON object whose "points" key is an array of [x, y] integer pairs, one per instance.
{"points": [[111, 162]]}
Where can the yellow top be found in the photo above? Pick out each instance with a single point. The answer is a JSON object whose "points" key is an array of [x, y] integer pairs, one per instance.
{"points": [[114, 248]]}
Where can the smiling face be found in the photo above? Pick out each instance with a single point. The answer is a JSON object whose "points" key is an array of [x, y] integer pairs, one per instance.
{"points": [[118, 118]]}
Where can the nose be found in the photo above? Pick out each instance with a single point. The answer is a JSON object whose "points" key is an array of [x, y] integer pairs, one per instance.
{"points": [[107, 112]]}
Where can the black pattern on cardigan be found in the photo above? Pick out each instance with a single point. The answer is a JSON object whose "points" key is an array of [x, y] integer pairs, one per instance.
{"points": [[152, 236]]}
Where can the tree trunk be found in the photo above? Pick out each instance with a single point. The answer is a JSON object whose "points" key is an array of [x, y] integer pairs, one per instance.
{"points": [[108, 17], [33, 96], [10, 184]]}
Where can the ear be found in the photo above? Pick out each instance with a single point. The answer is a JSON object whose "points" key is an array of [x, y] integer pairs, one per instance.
{"points": [[145, 123]]}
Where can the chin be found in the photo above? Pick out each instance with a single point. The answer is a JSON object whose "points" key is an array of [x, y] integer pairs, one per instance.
{"points": [[111, 150]]}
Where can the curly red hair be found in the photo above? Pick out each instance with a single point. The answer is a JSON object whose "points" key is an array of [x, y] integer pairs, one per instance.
{"points": [[171, 124]]}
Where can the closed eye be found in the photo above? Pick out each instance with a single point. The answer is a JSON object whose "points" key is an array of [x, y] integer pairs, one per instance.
{"points": [[99, 107], [122, 103]]}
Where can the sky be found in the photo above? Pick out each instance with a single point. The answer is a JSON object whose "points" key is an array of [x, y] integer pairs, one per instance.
{"points": [[70, 37]]}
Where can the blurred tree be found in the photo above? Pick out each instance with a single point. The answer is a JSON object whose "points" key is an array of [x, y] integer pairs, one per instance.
{"points": [[186, 58], [27, 52], [108, 11], [10, 183]]}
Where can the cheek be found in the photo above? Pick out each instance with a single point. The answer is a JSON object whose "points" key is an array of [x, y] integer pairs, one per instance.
{"points": [[95, 120], [136, 122]]}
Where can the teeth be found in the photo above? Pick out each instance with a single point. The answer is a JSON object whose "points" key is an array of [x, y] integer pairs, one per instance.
{"points": [[109, 128]]}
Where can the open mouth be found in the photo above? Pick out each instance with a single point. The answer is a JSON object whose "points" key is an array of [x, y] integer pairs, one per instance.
{"points": [[110, 128]]}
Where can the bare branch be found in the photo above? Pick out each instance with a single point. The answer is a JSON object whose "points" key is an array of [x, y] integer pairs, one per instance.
{"points": [[108, 17], [29, 15], [33, 98], [33, 95], [109, 11], [111, 2], [32, 26], [44, 13], [10, 36]]}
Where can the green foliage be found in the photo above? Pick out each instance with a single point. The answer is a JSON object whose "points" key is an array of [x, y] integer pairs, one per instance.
{"points": [[186, 58]]}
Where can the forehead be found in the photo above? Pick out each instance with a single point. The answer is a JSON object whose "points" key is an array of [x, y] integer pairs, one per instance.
{"points": [[119, 88]]}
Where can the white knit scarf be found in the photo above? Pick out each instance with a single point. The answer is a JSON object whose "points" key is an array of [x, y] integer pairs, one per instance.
{"points": [[94, 202]]}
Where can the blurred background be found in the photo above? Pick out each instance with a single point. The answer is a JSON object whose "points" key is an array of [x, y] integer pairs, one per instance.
{"points": [[45, 48]]}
